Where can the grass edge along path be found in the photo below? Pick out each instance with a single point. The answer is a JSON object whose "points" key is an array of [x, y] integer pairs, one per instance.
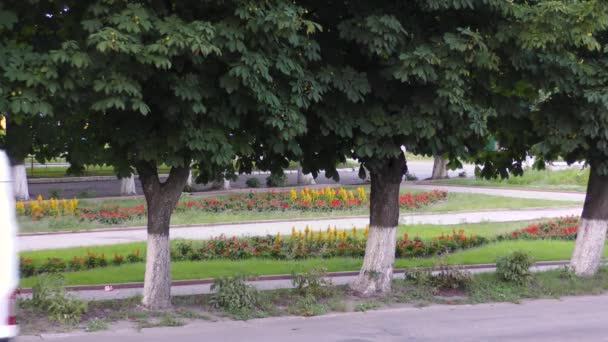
{"points": [[571, 179], [540, 250]]}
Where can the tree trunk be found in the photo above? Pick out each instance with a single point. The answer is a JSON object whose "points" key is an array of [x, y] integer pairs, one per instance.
{"points": [[440, 170], [377, 271], [20, 186], [161, 199], [592, 228], [127, 186], [305, 179]]}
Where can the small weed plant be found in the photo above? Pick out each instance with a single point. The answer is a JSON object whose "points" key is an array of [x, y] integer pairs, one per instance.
{"points": [[49, 297]]}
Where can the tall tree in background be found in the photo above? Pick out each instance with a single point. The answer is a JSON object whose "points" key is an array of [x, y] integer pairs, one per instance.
{"points": [[162, 82], [413, 73]]}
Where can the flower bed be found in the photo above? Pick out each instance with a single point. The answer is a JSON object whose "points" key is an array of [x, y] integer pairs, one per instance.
{"points": [[322, 200], [299, 245], [113, 214], [41, 208], [564, 228], [28, 268], [307, 244], [325, 199], [421, 199]]}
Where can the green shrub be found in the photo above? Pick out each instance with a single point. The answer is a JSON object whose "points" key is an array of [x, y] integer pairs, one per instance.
{"points": [[233, 294], [515, 268], [253, 183], [276, 180], [311, 283], [49, 297]]}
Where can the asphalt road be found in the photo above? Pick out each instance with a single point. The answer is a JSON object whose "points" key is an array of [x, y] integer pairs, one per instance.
{"points": [[569, 319], [108, 188]]}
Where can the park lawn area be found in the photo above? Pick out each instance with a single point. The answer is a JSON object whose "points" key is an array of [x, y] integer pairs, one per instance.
{"points": [[455, 202], [573, 179], [540, 250], [423, 231]]}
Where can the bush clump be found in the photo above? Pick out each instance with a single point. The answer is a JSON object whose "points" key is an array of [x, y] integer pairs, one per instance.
{"points": [[515, 268], [233, 294], [276, 180], [253, 183]]}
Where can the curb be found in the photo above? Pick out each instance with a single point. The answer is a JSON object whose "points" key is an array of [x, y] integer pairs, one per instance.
{"points": [[437, 183], [203, 225], [207, 281]]}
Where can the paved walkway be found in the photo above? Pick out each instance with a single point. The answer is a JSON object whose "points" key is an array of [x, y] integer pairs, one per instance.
{"points": [[569, 319], [505, 192], [107, 237]]}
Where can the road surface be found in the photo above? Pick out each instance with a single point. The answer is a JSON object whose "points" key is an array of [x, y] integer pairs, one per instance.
{"points": [[570, 319], [108, 188]]}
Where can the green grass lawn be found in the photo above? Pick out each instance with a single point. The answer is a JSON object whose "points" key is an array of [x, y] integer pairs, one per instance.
{"points": [[542, 250], [455, 202], [423, 231], [567, 179]]}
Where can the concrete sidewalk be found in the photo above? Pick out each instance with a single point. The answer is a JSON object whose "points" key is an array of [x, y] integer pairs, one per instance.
{"points": [[108, 237]]}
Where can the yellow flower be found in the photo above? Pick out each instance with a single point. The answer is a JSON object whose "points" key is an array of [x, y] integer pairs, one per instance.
{"points": [[306, 231], [354, 232], [277, 239], [319, 236], [293, 195], [20, 208], [361, 193]]}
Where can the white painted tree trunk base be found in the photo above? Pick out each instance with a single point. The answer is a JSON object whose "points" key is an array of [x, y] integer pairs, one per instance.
{"points": [[221, 185], [305, 179], [189, 181], [587, 254], [377, 271], [440, 170], [20, 186], [157, 283], [127, 186]]}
